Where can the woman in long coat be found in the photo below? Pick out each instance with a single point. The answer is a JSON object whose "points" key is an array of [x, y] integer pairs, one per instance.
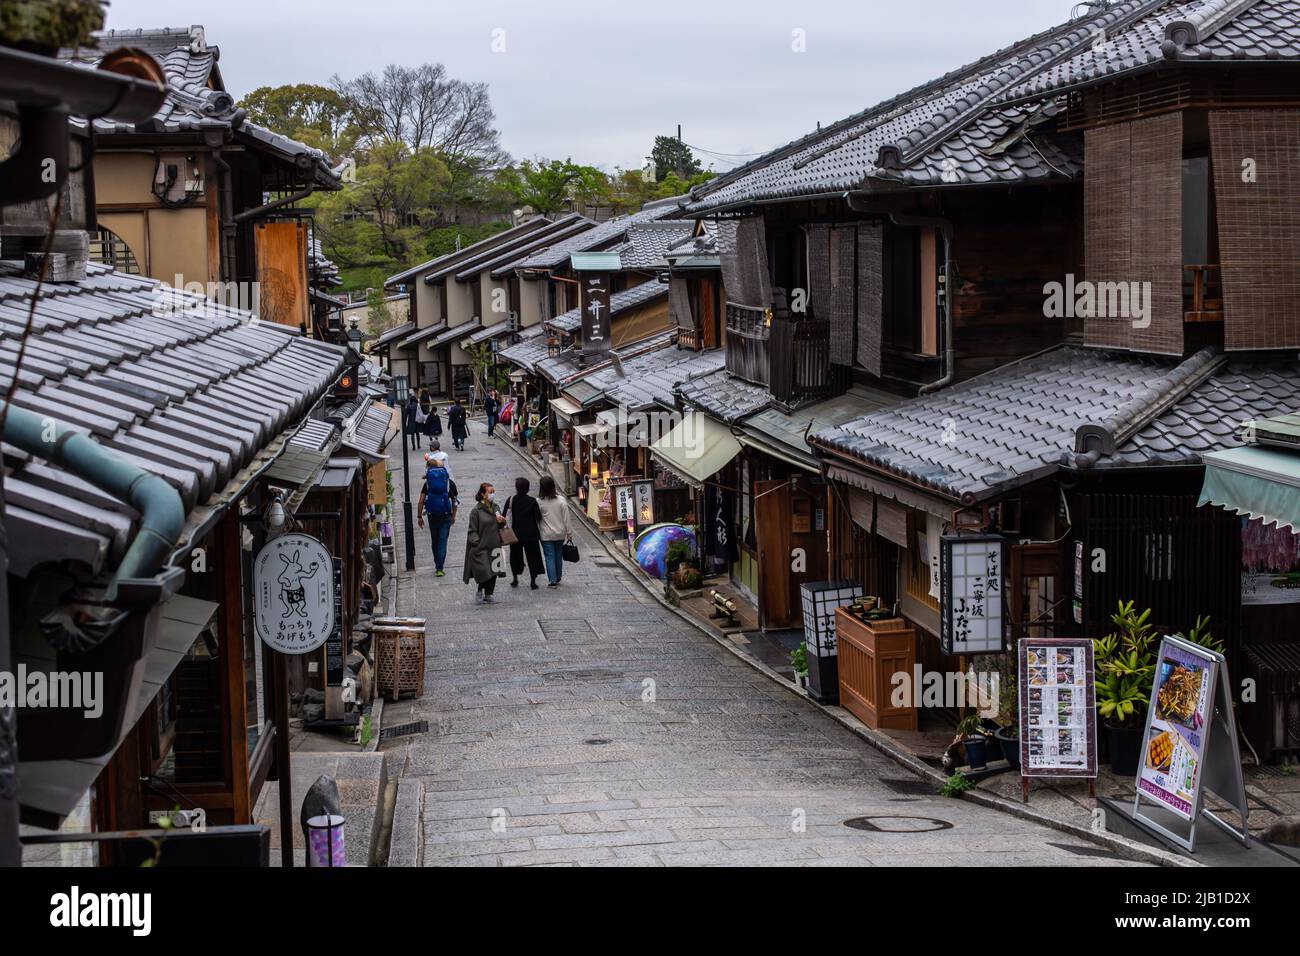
{"points": [[432, 425], [483, 546]]}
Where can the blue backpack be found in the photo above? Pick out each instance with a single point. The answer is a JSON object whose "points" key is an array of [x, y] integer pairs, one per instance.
{"points": [[437, 496]]}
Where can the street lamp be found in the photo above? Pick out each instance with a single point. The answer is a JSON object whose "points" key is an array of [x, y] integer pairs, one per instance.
{"points": [[402, 392]]}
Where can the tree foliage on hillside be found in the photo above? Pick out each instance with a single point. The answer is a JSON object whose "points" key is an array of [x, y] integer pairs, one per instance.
{"points": [[312, 114]]}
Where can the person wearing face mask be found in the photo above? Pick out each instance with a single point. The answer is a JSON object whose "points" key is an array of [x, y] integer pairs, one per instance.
{"points": [[484, 559]]}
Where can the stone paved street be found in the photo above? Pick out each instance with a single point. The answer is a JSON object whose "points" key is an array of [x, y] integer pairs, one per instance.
{"points": [[542, 750]]}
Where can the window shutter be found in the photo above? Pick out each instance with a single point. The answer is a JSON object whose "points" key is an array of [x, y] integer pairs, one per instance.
{"points": [[870, 295]]}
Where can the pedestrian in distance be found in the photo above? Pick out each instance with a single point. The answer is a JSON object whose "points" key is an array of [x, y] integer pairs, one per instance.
{"points": [[491, 406], [439, 501], [411, 421], [555, 529], [432, 425], [525, 518], [458, 425], [483, 545]]}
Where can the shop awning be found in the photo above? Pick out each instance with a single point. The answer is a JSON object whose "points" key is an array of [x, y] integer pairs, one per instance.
{"points": [[589, 429], [565, 406], [1256, 482], [696, 449], [51, 789]]}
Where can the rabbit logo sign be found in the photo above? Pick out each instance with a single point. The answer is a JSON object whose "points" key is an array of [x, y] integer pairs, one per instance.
{"points": [[293, 586]]}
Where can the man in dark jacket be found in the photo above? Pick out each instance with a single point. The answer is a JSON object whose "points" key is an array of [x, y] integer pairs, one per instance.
{"points": [[525, 521], [409, 424], [458, 425], [492, 406]]}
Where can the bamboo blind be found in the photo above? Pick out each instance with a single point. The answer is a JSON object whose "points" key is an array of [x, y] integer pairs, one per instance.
{"points": [[743, 250], [843, 262], [1133, 229], [679, 304], [1256, 160], [870, 295], [819, 270]]}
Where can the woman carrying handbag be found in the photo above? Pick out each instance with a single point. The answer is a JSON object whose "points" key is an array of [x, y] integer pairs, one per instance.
{"points": [[556, 531], [525, 528]]}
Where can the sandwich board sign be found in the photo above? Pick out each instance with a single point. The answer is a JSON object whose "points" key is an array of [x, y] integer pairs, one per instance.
{"points": [[294, 594], [1058, 709], [1190, 743]]}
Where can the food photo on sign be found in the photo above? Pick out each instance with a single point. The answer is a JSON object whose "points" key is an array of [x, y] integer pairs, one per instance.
{"points": [[1172, 754]]}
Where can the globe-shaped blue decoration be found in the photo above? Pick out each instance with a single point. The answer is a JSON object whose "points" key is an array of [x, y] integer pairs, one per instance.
{"points": [[652, 543]]}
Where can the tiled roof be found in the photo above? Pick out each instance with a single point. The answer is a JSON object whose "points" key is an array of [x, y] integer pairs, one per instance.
{"points": [[648, 242], [490, 332], [724, 397], [196, 97], [649, 379], [961, 129], [1213, 416], [184, 387], [324, 273], [504, 262], [1193, 30], [421, 335], [456, 333], [1017, 423], [609, 231], [396, 332], [448, 262], [528, 351], [564, 368], [619, 303], [787, 431]]}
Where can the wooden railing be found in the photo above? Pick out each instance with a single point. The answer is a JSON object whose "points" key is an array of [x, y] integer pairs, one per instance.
{"points": [[792, 357], [1202, 293], [748, 334], [689, 339]]}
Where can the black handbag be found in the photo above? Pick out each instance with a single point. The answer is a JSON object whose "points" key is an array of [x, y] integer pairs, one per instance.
{"points": [[570, 552]]}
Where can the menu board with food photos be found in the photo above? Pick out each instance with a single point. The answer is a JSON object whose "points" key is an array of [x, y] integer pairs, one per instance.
{"points": [[1058, 717], [1190, 743], [1178, 727]]}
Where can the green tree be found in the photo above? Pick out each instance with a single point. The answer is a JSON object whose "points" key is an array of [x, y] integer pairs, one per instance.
{"points": [[549, 186], [378, 317], [315, 115], [671, 155]]}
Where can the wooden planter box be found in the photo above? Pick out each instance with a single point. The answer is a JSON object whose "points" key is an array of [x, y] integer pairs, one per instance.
{"points": [[870, 654]]}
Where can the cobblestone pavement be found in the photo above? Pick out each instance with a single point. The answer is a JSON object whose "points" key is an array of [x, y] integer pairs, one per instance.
{"points": [[588, 725]]}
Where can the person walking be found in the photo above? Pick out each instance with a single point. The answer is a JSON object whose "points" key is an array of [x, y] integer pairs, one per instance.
{"points": [[432, 425], [492, 406], [458, 425], [440, 500], [411, 421], [483, 545], [555, 529], [525, 521]]}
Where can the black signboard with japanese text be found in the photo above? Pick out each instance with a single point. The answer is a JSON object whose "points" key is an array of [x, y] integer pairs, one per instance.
{"points": [[596, 328], [971, 591], [334, 644]]}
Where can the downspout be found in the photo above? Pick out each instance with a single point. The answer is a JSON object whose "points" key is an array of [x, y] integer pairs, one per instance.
{"points": [[225, 211], [945, 229], [162, 515], [259, 211]]}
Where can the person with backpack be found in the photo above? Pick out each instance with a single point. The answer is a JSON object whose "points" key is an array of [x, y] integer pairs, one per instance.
{"points": [[439, 501], [458, 425]]}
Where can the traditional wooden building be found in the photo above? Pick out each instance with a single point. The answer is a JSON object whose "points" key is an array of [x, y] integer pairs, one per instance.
{"points": [[199, 194], [1052, 259]]}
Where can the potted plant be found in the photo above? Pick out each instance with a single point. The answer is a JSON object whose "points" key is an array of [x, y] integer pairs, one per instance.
{"points": [[799, 661], [971, 735], [1125, 663], [1008, 733]]}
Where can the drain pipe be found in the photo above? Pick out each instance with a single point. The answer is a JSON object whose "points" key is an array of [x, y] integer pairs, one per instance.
{"points": [[162, 515], [854, 201], [258, 211]]}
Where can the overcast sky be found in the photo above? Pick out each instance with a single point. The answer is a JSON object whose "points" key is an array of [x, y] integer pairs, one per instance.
{"points": [[596, 80]]}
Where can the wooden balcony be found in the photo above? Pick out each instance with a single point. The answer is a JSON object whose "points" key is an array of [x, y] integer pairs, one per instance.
{"points": [[1202, 293], [690, 339], [792, 357], [748, 334]]}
